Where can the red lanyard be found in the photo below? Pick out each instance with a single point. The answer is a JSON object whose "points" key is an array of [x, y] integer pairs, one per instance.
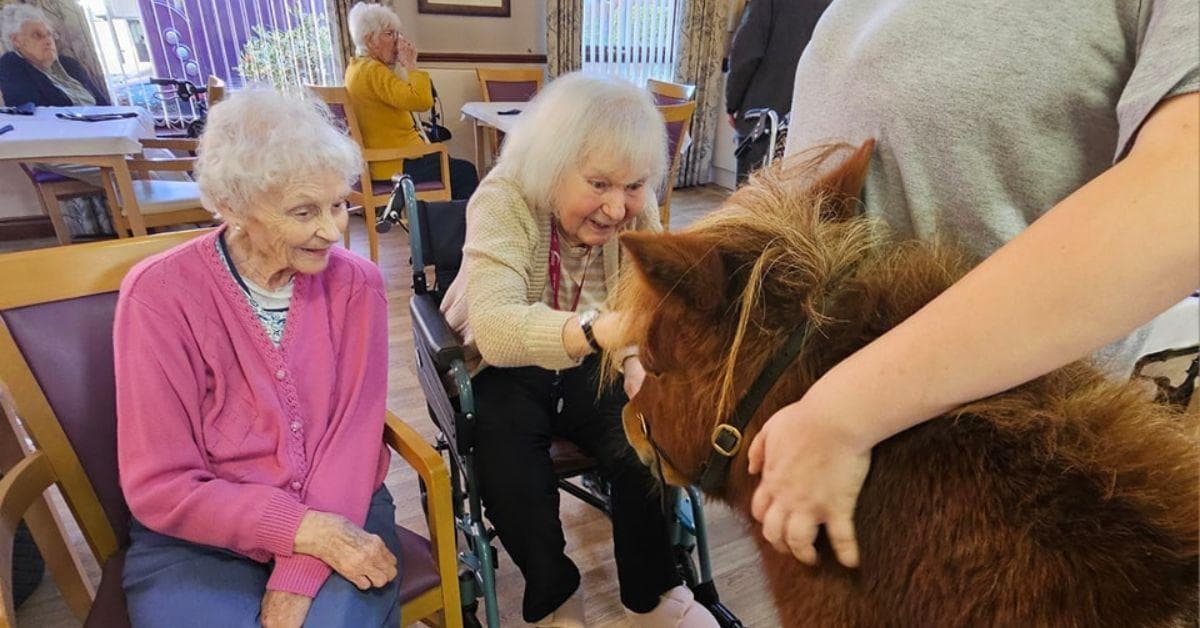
{"points": [[554, 267]]}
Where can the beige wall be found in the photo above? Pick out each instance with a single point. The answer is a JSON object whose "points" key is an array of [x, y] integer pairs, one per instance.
{"points": [[523, 33]]}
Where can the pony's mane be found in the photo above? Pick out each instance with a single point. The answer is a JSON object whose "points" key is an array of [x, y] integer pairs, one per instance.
{"points": [[790, 249]]}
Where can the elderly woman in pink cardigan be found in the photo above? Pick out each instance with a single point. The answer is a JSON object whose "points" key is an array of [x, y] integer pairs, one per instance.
{"points": [[251, 380]]}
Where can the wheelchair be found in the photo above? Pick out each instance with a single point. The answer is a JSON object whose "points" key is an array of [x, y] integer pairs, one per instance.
{"points": [[769, 131], [437, 232]]}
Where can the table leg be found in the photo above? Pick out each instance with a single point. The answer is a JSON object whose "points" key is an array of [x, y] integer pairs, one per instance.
{"points": [[480, 147]]}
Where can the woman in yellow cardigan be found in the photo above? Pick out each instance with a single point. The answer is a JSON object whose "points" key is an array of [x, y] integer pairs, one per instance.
{"points": [[385, 103]]}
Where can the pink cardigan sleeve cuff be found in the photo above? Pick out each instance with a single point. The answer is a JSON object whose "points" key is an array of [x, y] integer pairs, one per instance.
{"points": [[299, 574], [279, 523]]}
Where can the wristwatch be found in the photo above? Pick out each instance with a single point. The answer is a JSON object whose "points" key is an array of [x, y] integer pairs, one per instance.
{"points": [[586, 318]]}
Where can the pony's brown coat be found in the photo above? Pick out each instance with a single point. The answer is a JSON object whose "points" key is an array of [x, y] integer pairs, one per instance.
{"points": [[1068, 501]]}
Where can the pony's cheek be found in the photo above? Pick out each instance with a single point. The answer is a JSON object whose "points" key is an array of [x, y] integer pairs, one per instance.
{"points": [[635, 436]]}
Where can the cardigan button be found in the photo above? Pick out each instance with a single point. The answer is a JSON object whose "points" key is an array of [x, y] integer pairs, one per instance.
{"points": [[280, 374], [295, 425], [296, 485]]}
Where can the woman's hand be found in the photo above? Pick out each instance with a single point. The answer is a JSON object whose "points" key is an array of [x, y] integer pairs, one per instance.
{"points": [[635, 374], [406, 53], [358, 555], [281, 609], [812, 471]]}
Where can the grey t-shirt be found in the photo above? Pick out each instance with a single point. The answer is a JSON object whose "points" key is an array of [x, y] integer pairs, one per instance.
{"points": [[987, 114]]}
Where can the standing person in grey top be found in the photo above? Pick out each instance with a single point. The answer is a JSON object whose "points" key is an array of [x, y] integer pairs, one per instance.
{"points": [[762, 62], [1059, 143]]}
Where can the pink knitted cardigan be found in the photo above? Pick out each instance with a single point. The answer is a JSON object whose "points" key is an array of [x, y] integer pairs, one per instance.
{"points": [[224, 439]]}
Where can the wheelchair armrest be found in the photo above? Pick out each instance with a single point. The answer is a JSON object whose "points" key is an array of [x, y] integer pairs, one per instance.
{"points": [[432, 329]]}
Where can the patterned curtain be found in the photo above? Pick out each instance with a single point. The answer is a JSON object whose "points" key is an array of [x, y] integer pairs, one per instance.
{"points": [[702, 35], [74, 36], [564, 36], [339, 12]]}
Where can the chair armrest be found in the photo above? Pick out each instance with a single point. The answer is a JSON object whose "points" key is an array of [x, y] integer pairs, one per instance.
{"points": [[407, 152], [439, 513], [24, 483], [183, 144], [431, 328]]}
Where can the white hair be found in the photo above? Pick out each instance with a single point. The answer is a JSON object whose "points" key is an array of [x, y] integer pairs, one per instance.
{"points": [[13, 17], [259, 142], [578, 115], [367, 21]]}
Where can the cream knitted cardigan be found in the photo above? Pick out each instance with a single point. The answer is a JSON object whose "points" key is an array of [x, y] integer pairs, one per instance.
{"points": [[494, 305]]}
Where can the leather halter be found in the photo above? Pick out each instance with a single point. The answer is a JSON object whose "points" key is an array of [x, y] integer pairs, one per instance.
{"points": [[727, 436]]}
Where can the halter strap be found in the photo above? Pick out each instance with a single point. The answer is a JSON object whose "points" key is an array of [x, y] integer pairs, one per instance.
{"points": [[727, 436]]}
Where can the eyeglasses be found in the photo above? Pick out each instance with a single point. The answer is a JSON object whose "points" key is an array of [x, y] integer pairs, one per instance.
{"points": [[43, 35]]}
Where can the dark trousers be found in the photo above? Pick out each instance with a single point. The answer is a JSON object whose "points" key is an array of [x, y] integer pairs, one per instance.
{"points": [[463, 176], [517, 418]]}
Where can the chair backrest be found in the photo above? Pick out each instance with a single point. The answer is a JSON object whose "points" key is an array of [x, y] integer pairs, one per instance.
{"points": [[439, 230], [678, 119], [509, 84], [56, 361], [338, 101], [666, 93], [215, 91]]}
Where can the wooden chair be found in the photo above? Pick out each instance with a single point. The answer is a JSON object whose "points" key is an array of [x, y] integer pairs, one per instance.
{"points": [[369, 194], [507, 85], [214, 90], [678, 119], [59, 429], [52, 188], [666, 93], [157, 203]]}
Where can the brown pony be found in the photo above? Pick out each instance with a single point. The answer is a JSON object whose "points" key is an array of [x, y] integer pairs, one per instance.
{"points": [[1067, 501]]}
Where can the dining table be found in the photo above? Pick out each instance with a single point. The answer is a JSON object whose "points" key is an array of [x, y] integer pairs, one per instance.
{"points": [[102, 139], [501, 116]]}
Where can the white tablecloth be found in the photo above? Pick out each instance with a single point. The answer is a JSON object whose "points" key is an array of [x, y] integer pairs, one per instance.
{"points": [[43, 135], [487, 113]]}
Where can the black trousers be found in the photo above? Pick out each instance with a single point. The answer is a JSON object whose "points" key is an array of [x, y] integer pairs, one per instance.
{"points": [[463, 176], [518, 414]]}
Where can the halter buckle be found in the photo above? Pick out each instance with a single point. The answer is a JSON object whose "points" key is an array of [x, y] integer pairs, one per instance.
{"points": [[726, 440]]}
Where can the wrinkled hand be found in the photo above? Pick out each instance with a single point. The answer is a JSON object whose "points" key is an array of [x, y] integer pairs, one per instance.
{"points": [[812, 471], [358, 555], [635, 374], [281, 609], [406, 53]]}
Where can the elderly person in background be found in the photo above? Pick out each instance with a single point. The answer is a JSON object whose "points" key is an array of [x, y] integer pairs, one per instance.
{"points": [[540, 259], [251, 380], [32, 70], [385, 102]]}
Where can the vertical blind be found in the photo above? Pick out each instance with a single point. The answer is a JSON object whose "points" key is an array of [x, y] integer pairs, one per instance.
{"points": [[635, 39]]}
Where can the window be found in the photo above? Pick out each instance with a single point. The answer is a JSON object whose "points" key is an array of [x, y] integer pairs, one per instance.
{"points": [[285, 43], [635, 39]]}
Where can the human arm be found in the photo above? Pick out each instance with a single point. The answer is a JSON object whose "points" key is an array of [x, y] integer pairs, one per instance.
{"points": [[280, 609], [748, 49], [414, 94], [160, 384], [1114, 253], [15, 83]]}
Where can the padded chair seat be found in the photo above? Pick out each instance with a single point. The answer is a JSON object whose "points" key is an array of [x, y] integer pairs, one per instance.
{"points": [[41, 177], [159, 197], [568, 458], [108, 609]]}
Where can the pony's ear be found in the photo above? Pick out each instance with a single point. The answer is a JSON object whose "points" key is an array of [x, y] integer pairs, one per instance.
{"points": [[686, 266], [843, 185]]}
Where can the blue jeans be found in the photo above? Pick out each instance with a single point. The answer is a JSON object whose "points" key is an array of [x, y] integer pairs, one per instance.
{"points": [[173, 583]]}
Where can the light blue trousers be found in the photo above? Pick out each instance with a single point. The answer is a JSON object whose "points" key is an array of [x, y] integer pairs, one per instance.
{"points": [[173, 583]]}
